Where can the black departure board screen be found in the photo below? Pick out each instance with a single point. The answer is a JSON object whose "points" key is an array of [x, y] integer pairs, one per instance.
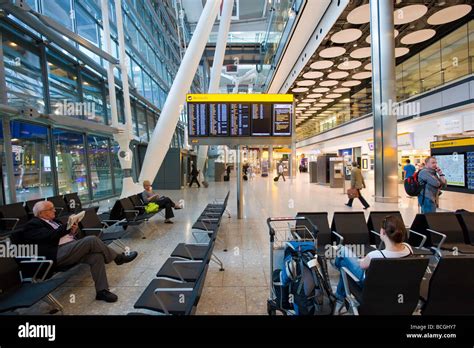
{"points": [[197, 120], [262, 119], [239, 119], [282, 119], [218, 119], [224, 118]]}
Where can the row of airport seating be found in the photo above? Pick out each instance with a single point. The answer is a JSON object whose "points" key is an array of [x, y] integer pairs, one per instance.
{"points": [[436, 280], [25, 281], [176, 290]]}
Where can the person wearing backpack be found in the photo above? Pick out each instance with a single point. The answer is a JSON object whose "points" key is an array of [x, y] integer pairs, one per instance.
{"points": [[432, 179], [409, 169], [393, 234]]}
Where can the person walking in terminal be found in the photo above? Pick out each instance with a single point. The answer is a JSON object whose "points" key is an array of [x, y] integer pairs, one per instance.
{"points": [[393, 234], [280, 171], [194, 176], [358, 183], [60, 245], [409, 169], [432, 179], [149, 196]]}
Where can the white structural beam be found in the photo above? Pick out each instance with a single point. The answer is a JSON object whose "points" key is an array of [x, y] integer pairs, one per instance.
{"points": [[215, 78], [166, 125]]}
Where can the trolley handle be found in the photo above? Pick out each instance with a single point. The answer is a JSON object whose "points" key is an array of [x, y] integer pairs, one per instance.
{"points": [[277, 219]]}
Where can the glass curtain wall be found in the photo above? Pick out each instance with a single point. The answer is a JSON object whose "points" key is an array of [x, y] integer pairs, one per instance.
{"points": [[71, 163], [99, 161]]}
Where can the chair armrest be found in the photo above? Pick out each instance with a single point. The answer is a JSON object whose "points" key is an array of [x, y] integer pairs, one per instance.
{"points": [[40, 262], [59, 210], [344, 273], [100, 230], [134, 211], [113, 221], [160, 290], [11, 219], [177, 262], [341, 238], [378, 235], [443, 237], [423, 237]]}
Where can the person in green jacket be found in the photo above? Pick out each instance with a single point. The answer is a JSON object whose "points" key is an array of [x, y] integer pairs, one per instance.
{"points": [[358, 183]]}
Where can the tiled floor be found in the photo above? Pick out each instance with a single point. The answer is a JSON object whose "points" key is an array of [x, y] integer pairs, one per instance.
{"points": [[244, 285]]}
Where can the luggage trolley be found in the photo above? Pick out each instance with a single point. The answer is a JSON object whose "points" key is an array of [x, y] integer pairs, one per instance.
{"points": [[282, 230]]}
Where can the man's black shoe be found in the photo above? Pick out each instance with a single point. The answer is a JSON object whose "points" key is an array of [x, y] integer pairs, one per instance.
{"points": [[124, 258], [106, 295]]}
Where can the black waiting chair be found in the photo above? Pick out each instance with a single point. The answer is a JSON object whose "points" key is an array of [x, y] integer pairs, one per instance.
{"points": [[390, 287], [92, 225], [374, 223], [59, 205], [350, 228], [443, 232], [170, 297], [15, 293], [74, 204], [466, 220], [30, 204], [449, 290], [13, 218]]}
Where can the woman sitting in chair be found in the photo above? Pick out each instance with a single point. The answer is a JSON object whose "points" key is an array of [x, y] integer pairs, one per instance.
{"points": [[393, 234], [149, 196]]}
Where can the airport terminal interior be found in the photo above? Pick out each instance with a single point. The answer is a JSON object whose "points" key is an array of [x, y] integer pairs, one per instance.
{"points": [[237, 157]]}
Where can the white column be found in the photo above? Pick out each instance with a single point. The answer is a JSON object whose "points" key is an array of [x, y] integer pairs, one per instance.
{"points": [[124, 138], [166, 125], [110, 66], [215, 78]]}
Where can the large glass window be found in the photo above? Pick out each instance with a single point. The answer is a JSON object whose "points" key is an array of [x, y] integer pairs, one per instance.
{"points": [[60, 11], [455, 54], [101, 179], [22, 74], [71, 163], [141, 123], [118, 172], [31, 161], [151, 122], [93, 100], [63, 88], [430, 67]]}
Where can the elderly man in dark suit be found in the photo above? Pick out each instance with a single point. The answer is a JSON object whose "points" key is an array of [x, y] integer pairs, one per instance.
{"points": [[58, 244]]}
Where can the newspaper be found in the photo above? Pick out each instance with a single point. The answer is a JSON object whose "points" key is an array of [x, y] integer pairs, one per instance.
{"points": [[75, 219]]}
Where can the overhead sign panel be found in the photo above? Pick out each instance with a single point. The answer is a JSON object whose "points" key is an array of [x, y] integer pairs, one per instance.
{"points": [[240, 118]]}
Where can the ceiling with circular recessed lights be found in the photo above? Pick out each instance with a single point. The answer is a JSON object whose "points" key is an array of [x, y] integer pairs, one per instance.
{"points": [[339, 72]]}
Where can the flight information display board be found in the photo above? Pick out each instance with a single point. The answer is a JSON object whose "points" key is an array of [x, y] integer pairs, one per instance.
{"points": [[198, 119], [219, 119], [262, 119], [240, 116], [239, 119]]}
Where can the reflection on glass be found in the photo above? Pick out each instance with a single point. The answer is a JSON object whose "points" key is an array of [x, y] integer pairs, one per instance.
{"points": [[141, 123], [22, 75], [70, 162], [454, 54], [31, 161], [59, 10], [93, 100], [118, 172], [430, 67], [101, 178], [63, 90]]}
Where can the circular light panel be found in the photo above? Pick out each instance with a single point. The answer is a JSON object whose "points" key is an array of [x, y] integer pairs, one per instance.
{"points": [[351, 83], [409, 14], [300, 90], [418, 36], [359, 15], [342, 90], [359, 53], [346, 35], [328, 83], [332, 52], [449, 14], [320, 90], [349, 65], [313, 75], [321, 64], [338, 75], [306, 83]]}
